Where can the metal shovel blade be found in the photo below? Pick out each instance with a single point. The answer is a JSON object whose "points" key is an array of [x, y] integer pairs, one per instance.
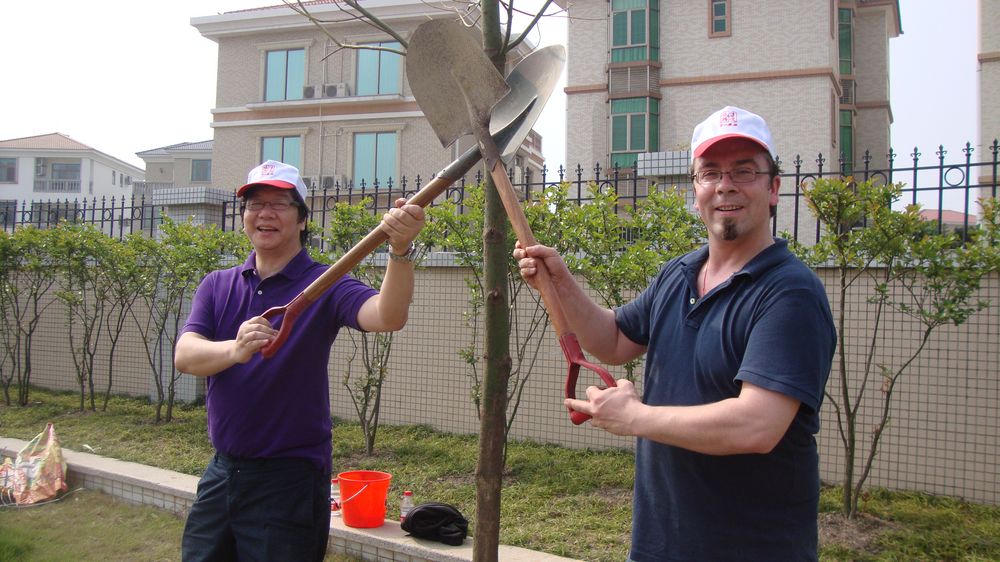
{"points": [[452, 78], [533, 78]]}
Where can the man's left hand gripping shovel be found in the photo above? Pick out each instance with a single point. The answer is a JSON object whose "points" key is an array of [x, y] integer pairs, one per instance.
{"points": [[448, 70]]}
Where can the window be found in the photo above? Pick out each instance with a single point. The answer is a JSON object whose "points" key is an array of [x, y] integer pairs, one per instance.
{"points": [[201, 171], [285, 75], [379, 71], [8, 170], [375, 158], [634, 129], [634, 30], [719, 18], [847, 140], [846, 42], [66, 172], [114, 177], [282, 149]]}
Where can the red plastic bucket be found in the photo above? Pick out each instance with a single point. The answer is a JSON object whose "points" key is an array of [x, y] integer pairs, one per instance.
{"points": [[363, 494]]}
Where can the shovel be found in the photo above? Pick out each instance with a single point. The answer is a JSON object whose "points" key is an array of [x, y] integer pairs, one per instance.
{"points": [[447, 71], [513, 118]]}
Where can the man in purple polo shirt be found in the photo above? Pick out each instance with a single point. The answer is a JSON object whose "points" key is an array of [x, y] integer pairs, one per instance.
{"points": [[265, 493], [739, 339]]}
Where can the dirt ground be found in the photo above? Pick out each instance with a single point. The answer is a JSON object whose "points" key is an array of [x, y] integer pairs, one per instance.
{"points": [[858, 534]]}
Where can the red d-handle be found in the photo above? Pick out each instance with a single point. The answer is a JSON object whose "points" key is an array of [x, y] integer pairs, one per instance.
{"points": [[288, 314], [574, 356]]}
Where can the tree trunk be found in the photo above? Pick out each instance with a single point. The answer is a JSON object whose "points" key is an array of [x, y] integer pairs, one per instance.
{"points": [[489, 470]]}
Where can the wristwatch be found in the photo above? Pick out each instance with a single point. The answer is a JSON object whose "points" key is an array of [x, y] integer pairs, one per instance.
{"points": [[408, 256]]}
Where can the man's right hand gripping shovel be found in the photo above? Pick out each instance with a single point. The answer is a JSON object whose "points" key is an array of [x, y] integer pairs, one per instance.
{"points": [[567, 339]]}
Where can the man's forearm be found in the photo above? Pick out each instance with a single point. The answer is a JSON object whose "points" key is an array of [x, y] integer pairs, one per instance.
{"points": [[201, 357]]}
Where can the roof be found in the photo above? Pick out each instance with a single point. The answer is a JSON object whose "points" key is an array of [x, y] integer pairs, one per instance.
{"points": [[61, 142], [200, 146], [51, 141], [276, 6], [947, 216]]}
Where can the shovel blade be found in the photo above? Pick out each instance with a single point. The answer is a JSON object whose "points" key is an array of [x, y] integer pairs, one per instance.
{"points": [[452, 79]]}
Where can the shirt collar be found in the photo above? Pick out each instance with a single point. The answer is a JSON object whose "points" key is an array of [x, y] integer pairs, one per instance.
{"points": [[767, 258], [292, 270]]}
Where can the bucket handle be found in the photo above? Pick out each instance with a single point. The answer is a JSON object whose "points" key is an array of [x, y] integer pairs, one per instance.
{"points": [[356, 494]]}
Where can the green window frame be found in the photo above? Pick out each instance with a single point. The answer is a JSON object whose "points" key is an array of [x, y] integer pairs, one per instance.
{"points": [[283, 149], [847, 139], [8, 170], [845, 27], [379, 72], [201, 170], [634, 129], [375, 157], [719, 18], [284, 74], [635, 30]]}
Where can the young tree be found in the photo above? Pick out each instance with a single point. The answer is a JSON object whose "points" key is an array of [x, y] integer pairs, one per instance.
{"points": [[27, 276], [125, 279], [930, 277], [348, 224], [80, 256]]}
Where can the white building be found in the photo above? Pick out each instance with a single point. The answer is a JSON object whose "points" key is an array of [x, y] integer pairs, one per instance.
{"points": [[56, 167]]}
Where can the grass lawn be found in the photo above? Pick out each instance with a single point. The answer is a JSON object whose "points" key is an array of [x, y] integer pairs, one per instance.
{"points": [[573, 503]]}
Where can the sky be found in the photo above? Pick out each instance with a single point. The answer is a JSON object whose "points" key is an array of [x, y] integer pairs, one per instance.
{"points": [[125, 76]]}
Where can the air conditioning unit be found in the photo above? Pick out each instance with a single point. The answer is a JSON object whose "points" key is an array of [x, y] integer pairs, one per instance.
{"points": [[847, 86], [310, 181], [308, 92], [337, 90], [329, 182], [40, 167]]}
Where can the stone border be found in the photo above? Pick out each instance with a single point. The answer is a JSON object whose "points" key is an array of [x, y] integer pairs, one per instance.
{"points": [[174, 492]]}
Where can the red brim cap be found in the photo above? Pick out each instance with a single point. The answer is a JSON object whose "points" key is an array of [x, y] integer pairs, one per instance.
{"points": [[701, 148], [273, 183]]}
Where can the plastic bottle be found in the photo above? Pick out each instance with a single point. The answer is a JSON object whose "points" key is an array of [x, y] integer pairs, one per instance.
{"points": [[406, 505], [335, 496]]}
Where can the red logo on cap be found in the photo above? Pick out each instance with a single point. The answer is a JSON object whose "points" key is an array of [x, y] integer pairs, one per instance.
{"points": [[728, 119], [267, 170]]}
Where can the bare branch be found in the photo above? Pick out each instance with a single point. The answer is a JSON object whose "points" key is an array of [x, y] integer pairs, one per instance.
{"points": [[365, 17], [510, 45]]}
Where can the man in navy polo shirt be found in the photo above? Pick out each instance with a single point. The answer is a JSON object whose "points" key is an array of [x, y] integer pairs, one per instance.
{"points": [[265, 494], [739, 340]]}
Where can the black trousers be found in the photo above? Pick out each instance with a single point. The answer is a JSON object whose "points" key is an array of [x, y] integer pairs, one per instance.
{"points": [[259, 509]]}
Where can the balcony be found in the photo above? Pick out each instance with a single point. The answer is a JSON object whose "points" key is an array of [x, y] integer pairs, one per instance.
{"points": [[43, 185]]}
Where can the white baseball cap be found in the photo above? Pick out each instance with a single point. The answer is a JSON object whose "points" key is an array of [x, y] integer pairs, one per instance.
{"points": [[275, 174], [730, 122]]}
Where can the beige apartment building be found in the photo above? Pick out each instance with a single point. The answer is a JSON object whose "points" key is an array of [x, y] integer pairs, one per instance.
{"points": [[642, 73], [344, 116], [989, 85]]}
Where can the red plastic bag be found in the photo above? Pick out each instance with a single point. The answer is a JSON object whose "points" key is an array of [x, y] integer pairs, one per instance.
{"points": [[39, 472]]}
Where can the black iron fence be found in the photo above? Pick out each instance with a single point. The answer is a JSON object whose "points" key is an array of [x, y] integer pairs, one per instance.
{"points": [[937, 183], [116, 216]]}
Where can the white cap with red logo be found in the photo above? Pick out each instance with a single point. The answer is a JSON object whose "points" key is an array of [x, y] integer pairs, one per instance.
{"points": [[730, 122], [275, 174]]}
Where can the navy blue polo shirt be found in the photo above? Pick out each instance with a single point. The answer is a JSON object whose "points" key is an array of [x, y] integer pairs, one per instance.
{"points": [[277, 407], [769, 324]]}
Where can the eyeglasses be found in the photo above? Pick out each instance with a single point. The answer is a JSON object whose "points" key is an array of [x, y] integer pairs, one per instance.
{"points": [[714, 177], [276, 206]]}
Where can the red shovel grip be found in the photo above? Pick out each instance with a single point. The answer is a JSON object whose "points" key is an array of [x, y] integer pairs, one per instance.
{"points": [[288, 314], [574, 356]]}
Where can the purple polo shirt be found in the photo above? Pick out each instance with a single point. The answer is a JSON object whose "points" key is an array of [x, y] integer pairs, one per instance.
{"points": [[277, 407]]}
